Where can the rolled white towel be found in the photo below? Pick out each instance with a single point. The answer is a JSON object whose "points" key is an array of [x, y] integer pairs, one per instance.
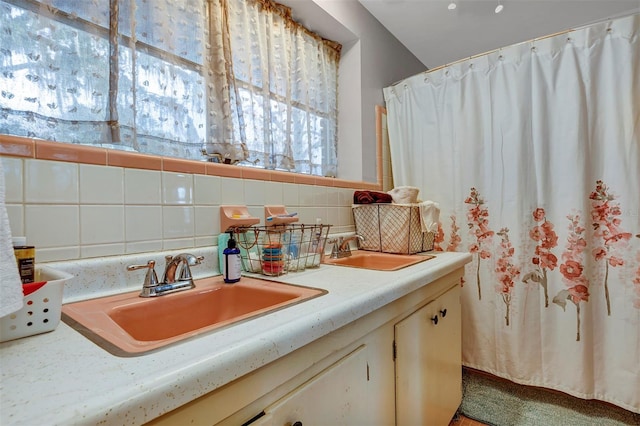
{"points": [[404, 194]]}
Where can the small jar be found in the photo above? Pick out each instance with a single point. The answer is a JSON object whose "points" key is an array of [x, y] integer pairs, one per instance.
{"points": [[25, 258]]}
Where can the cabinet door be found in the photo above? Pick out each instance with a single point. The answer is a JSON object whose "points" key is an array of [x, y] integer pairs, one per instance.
{"points": [[429, 363], [336, 396]]}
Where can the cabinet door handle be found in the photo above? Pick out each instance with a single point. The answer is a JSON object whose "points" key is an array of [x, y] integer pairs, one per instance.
{"points": [[443, 312], [434, 319]]}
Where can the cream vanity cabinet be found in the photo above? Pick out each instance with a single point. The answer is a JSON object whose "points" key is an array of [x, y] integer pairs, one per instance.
{"points": [[378, 370], [336, 396], [428, 362]]}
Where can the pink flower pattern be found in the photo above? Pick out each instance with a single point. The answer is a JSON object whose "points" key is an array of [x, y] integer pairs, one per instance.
{"points": [[606, 244], [454, 240], [478, 221], [572, 269], [439, 238], [607, 233], [506, 270], [546, 239]]}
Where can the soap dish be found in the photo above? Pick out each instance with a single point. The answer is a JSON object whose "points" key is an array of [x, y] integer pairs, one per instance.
{"points": [[236, 217], [278, 215]]}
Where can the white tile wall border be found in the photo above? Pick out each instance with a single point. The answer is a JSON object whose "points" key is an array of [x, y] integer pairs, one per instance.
{"points": [[72, 210]]}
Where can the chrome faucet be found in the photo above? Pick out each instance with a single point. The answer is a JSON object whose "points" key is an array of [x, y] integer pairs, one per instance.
{"points": [[173, 262], [169, 284], [341, 246]]}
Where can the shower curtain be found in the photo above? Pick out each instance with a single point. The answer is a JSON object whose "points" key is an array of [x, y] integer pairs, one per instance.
{"points": [[533, 152]]}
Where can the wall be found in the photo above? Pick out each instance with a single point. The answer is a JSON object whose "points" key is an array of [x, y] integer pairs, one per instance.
{"points": [[383, 60]]}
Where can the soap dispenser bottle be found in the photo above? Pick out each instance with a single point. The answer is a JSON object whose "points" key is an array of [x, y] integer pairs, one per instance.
{"points": [[232, 265]]}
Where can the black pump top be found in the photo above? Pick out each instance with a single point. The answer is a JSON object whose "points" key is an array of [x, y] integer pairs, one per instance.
{"points": [[232, 243]]}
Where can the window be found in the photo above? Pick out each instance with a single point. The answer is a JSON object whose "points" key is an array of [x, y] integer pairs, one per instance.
{"points": [[238, 78]]}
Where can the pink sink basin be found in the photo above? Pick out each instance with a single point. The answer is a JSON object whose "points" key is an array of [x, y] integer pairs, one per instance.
{"points": [[378, 261], [128, 325]]}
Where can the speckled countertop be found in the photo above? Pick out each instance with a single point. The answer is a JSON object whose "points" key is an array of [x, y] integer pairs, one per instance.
{"points": [[63, 378]]}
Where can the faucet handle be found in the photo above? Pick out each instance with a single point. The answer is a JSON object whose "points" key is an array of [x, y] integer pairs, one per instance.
{"points": [[334, 249], [185, 272], [150, 279]]}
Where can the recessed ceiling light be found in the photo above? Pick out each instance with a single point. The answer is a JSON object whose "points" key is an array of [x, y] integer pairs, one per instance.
{"points": [[499, 7], [452, 5]]}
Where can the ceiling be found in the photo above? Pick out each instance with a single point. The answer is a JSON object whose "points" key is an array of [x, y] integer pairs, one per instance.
{"points": [[438, 36]]}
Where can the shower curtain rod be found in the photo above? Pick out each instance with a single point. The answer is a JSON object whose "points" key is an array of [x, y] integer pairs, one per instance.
{"points": [[523, 42]]}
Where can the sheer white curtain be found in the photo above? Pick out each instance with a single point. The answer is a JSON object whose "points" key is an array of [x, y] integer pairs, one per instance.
{"points": [[238, 77], [533, 152], [285, 83]]}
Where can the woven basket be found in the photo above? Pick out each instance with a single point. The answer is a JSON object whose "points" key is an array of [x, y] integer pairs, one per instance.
{"points": [[391, 228]]}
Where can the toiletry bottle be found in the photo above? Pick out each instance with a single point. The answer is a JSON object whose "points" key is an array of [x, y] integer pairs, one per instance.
{"points": [[25, 258], [232, 266]]}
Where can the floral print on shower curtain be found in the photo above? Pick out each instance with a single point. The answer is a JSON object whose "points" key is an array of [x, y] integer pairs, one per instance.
{"points": [[533, 153]]}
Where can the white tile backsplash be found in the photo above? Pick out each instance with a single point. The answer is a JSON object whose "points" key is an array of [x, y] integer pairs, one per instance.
{"points": [[51, 182], [178, 243], [305, 195], [333, 216], [206, 190], [232, 191], [57, 253], [143, 246], [16, 219], [101, 224], [52, 225], [177, 188], [73, 211], [102, 250], [177, 222], [12, 169], [333, 197], [257, 211], [142, 187], [207, 220], [101, 185], [254, 192], [273, 194], [206, 241], [320, 197], [290, 194], [143, 223]]}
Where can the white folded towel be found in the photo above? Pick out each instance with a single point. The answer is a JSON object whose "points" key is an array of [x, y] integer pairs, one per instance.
{"points": [[404, 194], [429, 216], [10, 285]]}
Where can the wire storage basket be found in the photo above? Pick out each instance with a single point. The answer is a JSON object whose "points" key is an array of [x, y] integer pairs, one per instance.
{"points": [[276, 250], [391, 228]]}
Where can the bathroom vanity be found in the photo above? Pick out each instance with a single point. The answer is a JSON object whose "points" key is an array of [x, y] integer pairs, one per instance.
{"points": [[377, 348]]}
